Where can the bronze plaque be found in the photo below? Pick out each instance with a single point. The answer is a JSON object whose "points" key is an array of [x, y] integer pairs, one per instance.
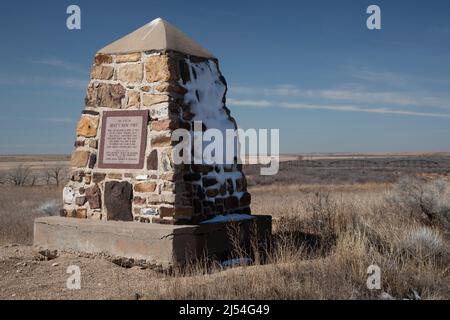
{"points": [[123, 139]]}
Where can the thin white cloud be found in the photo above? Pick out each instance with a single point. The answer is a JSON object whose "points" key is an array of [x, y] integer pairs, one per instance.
{"points": [[60, 63], [250, 103], [352, 96], [338, 108]]}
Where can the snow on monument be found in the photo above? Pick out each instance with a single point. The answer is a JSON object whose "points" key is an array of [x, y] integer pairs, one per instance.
{"points": [[142, 88]]}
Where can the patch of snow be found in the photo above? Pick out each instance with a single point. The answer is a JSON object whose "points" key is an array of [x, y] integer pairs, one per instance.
{"points": [[142, 177], [49, 207], [228, 217], [205, 92]]}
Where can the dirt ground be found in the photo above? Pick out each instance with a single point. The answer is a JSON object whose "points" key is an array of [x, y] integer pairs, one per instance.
{"points": [[24, 276]]}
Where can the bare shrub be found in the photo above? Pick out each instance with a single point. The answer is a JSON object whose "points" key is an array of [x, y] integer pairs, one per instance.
{"points": [[424, 201], [19, 176], [424, 243], [57, 174]]}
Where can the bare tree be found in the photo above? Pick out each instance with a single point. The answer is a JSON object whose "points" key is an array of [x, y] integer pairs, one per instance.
{"points": [[19, 176], [56, 173]]}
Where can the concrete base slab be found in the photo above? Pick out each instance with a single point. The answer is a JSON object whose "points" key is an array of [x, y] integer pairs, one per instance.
{"points": [[158, 244]]}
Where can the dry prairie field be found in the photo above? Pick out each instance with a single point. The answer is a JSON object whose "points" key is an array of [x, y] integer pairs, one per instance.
{"points": [[334, 216]]}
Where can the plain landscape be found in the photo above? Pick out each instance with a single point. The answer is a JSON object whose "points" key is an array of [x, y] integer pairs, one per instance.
{"points": [[334, 216]]}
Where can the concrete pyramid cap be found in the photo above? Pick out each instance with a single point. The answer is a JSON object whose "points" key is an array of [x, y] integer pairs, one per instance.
{"points": [[157, 35]]}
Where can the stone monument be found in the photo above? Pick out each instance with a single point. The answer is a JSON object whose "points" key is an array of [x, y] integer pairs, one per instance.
{"points": [[143, 87]]}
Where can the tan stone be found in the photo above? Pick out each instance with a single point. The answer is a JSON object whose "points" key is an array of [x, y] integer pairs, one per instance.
{"points": [[134, 99], [130, 73], [145, 88], [102, 59], [145, 187], [109, 95], [102, 72], [115, 176], [81, 213], [169, 87], [79, 159], [87, 127], [161, 141], [131, 57], [151, 99], [161, 68], [163, 125]]}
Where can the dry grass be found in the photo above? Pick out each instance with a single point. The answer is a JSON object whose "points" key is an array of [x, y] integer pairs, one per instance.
{"points": [[326, 236], [19, 206], [325, 240]]}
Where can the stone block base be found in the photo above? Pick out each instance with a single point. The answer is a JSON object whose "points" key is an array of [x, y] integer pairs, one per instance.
{"points": [[158, 244]]}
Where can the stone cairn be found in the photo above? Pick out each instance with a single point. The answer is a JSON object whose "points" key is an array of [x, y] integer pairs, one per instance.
{"points": [[147, 78]]}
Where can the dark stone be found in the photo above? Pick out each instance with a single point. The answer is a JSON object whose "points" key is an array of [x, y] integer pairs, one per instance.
{"points": [[246, 199], [63, 213], [241, 184], [152, 160], [79, 201], [211, 193], [92, 160], [90, 112], [209, 181], [94, 197], [78, 176], [184, 71], [230, 186], [231, 203], [118, 198], [79, 144], [192, 176], [197, 204], [98, 177], [202, 168]]}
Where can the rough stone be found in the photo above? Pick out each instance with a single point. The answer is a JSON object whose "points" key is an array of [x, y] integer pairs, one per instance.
{"points": [[151, 99], [87, 127], [102, 59], [161, 141], [98, 177], [161, 68], [182, 212], [94, 197], [68, 195], [131, 57], [81, 213], [231, 203], [115, 176], [145, 187], [92, 161], [102, 72], [139, 201], [93, 144], [245, 200], [118, 197], [79, 201], [166, 212], [134, 99], [163, 125], [152, 160], [211, 193], [130, 73], [79, 159], [170, 88], [209, 181], [110, 95]]}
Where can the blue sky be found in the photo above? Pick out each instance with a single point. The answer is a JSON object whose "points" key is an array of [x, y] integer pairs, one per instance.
{"points": [[310, 68]]}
